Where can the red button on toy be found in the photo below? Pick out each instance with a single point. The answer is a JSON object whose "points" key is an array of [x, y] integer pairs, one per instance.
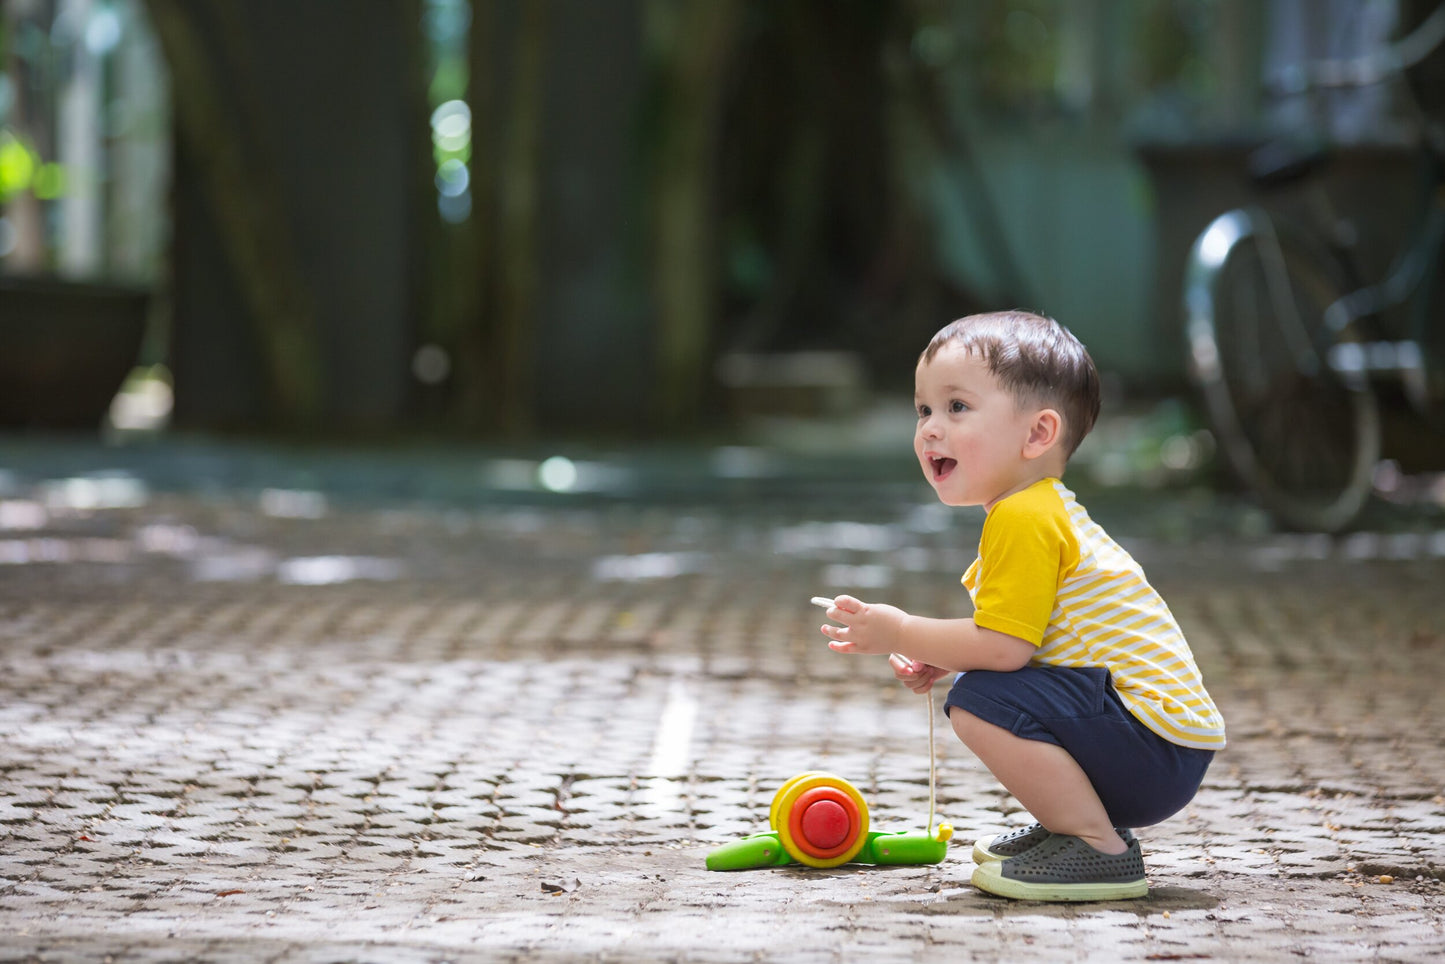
{"points": [[821, 819], [840, 824], [826, 825]]}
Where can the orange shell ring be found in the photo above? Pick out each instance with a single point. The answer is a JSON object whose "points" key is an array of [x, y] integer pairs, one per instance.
{"points": [[821, 819]]}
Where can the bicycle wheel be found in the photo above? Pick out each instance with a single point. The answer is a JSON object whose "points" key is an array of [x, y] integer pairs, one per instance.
{"points": [[1304, 438]]}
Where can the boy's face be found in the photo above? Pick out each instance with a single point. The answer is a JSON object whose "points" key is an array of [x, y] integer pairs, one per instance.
{"points": [[971, 434]]}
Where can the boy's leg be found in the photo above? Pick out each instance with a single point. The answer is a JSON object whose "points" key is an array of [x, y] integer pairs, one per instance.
{"points": [[1044, 778]]}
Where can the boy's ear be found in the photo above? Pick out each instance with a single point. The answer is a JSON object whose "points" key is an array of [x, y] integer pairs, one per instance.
{"points": [[1044, 433]]}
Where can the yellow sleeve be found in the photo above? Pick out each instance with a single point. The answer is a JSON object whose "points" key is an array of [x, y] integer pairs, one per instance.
{"points": [[1026, 549]]}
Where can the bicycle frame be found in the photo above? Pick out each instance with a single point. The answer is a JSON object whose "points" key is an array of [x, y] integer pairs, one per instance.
{"points": [[1289, 341], [1409, 282]]}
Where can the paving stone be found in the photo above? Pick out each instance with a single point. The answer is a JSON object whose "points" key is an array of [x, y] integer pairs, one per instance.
{"points": [[512, 752]]}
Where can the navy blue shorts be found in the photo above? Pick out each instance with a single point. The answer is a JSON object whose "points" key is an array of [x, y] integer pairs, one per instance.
{"points": [[1141, 777]]}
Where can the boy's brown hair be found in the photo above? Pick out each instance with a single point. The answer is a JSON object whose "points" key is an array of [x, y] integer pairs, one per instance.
{"points": [[1036, 359]]}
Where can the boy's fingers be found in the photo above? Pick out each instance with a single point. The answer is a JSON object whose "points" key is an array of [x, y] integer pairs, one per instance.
{"points": [[905, 665]]}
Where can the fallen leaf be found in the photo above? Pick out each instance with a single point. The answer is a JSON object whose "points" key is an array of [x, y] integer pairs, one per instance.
{"points": [[228, 893], [560, 887]]}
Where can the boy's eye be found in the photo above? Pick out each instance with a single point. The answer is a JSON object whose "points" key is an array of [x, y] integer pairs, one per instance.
{"points": [[924, 411], [956, 406]]}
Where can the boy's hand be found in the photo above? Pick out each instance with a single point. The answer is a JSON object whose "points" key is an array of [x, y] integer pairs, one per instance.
{"points": [[919, 677], [867, 628]]}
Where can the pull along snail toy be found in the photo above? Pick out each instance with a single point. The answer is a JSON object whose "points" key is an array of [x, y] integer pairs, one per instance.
{"points": [[821, 820]]}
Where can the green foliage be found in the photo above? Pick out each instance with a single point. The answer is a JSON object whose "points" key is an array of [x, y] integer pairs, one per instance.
{"points": [[18, 164]]}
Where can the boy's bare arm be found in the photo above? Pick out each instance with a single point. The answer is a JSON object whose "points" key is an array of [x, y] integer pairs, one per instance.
{"points": [[951, 644]]}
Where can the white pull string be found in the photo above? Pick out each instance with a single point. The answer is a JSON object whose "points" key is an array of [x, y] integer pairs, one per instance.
{"points": [[932, 766], [825, 602]]}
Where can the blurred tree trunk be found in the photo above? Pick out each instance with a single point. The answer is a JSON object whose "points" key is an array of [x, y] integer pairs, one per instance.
{"points": [[498, 350], [477, 403], [518, 229], [79, 148], [246, 206], [23, 209], [939, 138], [802, 170], [691, 45], [441, 296], [833, 137]]}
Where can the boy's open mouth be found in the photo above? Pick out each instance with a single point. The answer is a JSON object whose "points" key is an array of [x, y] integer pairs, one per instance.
{"points": [[942, 467]]}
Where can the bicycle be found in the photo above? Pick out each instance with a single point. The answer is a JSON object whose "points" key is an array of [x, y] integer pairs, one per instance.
{"points": [[1291, 349]]}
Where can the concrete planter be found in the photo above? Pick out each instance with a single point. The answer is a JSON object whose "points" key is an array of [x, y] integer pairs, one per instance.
{"points": [[1374, 187], [65, 348]]}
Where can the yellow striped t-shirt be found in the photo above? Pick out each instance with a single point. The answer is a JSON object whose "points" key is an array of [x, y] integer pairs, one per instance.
{"points": [[1049, 574]]}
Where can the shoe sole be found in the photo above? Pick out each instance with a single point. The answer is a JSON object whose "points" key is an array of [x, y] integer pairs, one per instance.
{"points": [[989, 878]]}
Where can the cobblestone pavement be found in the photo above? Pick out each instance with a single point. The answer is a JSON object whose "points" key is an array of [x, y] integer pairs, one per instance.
{"points": [[247, 719]]}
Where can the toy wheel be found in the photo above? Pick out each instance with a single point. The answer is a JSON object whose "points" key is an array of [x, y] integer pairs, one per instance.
{"points": [[822, 820], [775, 809]]}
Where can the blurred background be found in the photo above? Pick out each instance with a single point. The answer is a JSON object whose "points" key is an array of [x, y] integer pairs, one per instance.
{"points": [[629, 219]]}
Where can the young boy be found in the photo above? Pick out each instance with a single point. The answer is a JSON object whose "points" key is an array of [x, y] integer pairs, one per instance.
{"points": [[1076, 687]]}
